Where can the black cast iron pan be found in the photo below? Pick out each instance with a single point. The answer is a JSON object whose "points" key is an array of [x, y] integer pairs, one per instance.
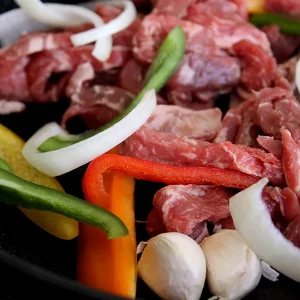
{"points": [[35, 265]]}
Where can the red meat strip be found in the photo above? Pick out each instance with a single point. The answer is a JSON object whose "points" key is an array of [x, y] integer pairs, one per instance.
{"points": [[232, 122], [270, 145], [292, 232], [291, 7], [155, 225], [248, 131], [226, 223], [226, 27], [172, 149], [183, 207], [155, 28], [205, 11], [291, 161], [13, 79], [131, 77], [290, 204], [176, 8], [185, 122], [31, 43], [209, 72], [83, 73], [97, 105], [45, 64], [277, 107], [288, 70], [255, 60], [283, 45]]}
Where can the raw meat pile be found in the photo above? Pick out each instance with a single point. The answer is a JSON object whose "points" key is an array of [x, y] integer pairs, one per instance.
{"points": [[225, 55]]}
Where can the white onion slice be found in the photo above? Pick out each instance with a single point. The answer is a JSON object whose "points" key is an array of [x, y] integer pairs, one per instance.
{"points": [[253, 222], [118, 24], [268, 272], [297, 76], [58, 162], [61, 15]]}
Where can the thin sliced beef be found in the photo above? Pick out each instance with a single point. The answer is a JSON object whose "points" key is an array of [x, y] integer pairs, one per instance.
{"points": [[83, 73], [13, 79], [155, 28], [155, 225], [291, 161], [185, 122], [291, 7], [34, 42], [277, 108], [97, 105], [169, 148], [255, 60], [232, 122], [211, 72], [48, 63], [292, 232], [177, 8], [131, 77], [205, 12], [226, 28], [184, 207], [288, 70], [271, 145], [283, 45], [248, 130]]}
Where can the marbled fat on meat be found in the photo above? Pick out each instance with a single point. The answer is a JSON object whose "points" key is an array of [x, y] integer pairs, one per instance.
{"points": [[184, 207]]}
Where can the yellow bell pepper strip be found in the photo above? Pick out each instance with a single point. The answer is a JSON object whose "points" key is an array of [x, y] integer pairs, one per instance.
{"points": [[109, 265], [255, 6], [17, 191], [11, 151]]}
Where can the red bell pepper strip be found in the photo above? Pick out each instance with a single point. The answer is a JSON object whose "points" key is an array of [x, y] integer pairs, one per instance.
{"points": [[157, 172]]}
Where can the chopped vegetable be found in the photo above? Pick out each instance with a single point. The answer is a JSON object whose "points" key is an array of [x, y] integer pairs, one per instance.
{"points": [[109, 265], [253, 221], [118, 24], [157, 172], [287, 24], [164, 65], [255, 6], [11, 151], [233, 269], [17, 191], [61, 161], [173, 266], [60, 15]]}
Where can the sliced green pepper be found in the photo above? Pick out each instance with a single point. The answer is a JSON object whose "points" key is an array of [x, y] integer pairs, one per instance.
{"points": [[17, 191], [164, 65], [287, 24]]}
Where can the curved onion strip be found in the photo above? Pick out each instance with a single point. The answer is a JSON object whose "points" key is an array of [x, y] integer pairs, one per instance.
{"points": [[60, 15], [297, 78], [254, 223], [112, 27], [58, 162]]}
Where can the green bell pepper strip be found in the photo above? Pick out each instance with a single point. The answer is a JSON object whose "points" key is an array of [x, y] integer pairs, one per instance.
{"points": [[19, 192], [287, 24], [164, 65]]}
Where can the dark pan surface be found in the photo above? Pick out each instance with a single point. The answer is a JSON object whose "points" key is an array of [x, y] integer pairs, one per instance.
{"points": [[36, 265]]}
